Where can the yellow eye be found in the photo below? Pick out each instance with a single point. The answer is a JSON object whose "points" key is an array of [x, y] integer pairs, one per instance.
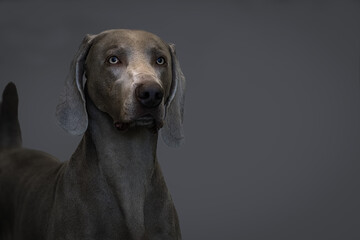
{"points": [[113, 60], [160, 61]]}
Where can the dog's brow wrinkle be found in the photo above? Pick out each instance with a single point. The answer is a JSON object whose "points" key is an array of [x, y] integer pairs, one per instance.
{"points": [[117, 50], [114, 47], [156, 51]]}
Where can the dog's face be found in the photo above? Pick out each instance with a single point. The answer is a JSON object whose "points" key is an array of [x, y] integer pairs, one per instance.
{"points": [[129, 75], [132, 76]]}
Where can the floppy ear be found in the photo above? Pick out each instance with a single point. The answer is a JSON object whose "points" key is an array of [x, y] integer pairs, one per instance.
{"points": [[71, 111], [172, 133]]}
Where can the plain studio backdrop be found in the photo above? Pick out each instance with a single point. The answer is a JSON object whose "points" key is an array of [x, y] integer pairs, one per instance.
{"points": [[272, 113]]}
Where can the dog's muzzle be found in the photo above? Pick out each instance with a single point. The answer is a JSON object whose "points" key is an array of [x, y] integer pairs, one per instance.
{"points": [[149, 96]]}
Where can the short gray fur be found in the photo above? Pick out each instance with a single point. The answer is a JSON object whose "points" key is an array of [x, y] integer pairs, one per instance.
{"points": [[112, 187]]}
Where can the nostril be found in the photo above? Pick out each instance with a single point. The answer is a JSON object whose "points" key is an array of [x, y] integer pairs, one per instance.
{"points": [[144, 95]]}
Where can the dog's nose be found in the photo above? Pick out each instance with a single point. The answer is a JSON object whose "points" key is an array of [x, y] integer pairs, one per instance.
{"points": [[149, 95]]}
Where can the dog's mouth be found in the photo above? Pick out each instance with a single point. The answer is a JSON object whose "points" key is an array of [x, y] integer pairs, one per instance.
{"points": [[147, 121]]}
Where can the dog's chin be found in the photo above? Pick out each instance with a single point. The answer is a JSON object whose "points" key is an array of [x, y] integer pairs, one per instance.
{"points": [[147, 121]]}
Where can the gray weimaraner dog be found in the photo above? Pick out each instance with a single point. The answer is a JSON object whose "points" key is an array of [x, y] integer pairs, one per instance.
{"points": [[124, 87]]}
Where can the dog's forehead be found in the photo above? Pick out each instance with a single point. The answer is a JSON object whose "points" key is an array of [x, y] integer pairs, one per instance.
{"points": [[130, 39]]}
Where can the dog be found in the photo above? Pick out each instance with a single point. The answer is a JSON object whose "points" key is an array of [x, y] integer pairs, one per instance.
{"points": [[125, 87]]}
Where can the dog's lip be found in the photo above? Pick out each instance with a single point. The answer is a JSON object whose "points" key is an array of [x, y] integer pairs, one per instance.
{"points": [[146, 120], [121, 126]]}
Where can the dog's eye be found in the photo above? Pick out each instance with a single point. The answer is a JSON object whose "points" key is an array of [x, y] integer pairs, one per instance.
{"points": [[160, 61], [113, 60]]}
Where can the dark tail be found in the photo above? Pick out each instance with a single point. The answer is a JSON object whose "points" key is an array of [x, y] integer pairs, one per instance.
{"points": [[10, 133]]}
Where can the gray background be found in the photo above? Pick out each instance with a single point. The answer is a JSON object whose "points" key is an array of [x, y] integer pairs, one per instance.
{"points": [[272, 108]]}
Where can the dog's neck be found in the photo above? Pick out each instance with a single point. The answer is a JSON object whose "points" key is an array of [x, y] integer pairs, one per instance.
{"points": [[125, 160], [132, 149]]}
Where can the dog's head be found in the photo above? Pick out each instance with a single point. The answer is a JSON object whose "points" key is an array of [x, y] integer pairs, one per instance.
{"points": [[133, 76]]}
